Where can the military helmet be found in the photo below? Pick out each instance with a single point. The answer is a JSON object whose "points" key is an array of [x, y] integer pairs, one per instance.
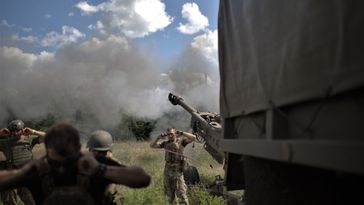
{"points": [[100, 140], [16, 125]]}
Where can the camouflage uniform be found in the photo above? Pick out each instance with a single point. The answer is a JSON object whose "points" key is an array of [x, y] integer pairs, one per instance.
{"points": [[174, 183], [17, 151]]}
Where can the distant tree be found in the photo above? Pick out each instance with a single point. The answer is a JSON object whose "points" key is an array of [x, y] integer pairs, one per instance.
{"points": [[140, 128]]}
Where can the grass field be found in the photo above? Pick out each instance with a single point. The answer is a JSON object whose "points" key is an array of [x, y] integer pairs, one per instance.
{"points": [[152, 160]]}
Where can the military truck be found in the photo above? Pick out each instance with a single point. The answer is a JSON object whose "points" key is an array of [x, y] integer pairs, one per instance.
{"points": [[292, 100]]}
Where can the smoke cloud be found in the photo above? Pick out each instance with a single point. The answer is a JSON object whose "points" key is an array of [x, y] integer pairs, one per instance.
{"points": [[95, 83]]}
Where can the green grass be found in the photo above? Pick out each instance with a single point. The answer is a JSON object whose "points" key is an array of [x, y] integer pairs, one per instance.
{"points": [[201, 196], [152, 160]]}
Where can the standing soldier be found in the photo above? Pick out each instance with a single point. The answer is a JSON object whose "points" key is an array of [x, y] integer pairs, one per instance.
{"points": [[174, 183], [99, 144], [17, 142]]}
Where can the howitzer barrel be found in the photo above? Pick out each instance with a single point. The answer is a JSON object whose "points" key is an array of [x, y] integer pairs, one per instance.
{"points": [[208, 129], [177, 100]]}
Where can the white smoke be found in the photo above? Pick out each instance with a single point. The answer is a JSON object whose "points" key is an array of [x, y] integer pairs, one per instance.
{"points": [[98, 81]]}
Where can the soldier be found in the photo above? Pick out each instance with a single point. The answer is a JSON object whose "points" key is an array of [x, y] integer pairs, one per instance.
{"points": [[65, 166], [17, 142], [99, 144], [174, 183]]}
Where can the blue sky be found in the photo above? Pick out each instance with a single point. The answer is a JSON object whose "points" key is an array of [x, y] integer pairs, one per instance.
{"points": [[23, 21], [103, 58]]}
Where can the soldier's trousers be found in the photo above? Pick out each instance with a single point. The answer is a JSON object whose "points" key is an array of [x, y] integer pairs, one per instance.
{"points": [[174, 185], [17, 197]]}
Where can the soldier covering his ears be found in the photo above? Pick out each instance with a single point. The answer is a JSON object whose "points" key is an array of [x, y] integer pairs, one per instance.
{"points": [[174, 183], [100, 144], [17, 142]]}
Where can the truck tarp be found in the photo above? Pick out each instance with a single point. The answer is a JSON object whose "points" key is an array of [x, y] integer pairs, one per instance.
{"points": [[282, 52]]}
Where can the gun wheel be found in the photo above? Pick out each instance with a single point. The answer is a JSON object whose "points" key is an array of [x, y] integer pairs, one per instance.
{"points": [[191, 176]]}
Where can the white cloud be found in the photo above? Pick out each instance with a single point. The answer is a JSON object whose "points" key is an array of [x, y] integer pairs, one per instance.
{"points": [[86, 8], [27, 29], [207, 44], [28, 39], [45, 56], [153, 13], [196, 21], [16, 56], [132, 18], [47, 16], [15, 37], [5, 23], [54, 39], [98, 26], [70, 14]]}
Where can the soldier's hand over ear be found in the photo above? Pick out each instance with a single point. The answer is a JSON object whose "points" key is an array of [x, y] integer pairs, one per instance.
{"points": [[4, 132], [28, 131]]}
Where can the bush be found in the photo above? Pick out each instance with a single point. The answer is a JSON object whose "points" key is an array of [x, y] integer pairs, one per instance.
{"points": [[141, 128]]}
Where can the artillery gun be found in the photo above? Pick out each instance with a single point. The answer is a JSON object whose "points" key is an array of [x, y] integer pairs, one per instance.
{"points": [[208, 130], [205, 125]]}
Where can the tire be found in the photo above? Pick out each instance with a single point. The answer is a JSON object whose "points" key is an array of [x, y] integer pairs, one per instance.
{"points": [[191, 176]]}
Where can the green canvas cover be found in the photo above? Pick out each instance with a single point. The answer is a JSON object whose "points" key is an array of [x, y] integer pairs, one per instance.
{"points": [[282, 52]]}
